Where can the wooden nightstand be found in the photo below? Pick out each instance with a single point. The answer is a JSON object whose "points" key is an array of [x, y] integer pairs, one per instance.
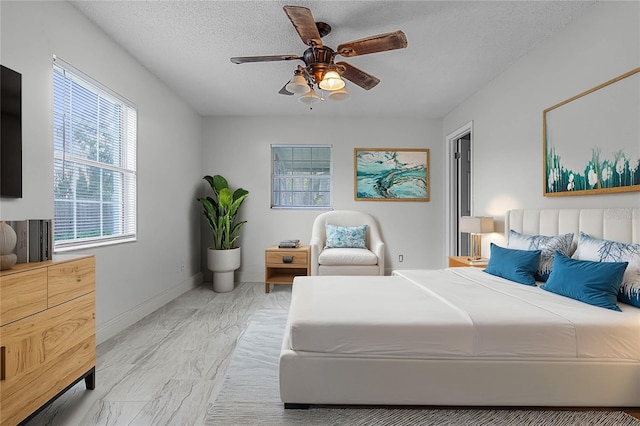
{"points": [[459, 261], [282, 265]]}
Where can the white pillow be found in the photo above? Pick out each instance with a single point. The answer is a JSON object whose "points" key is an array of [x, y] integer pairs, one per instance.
{"points": [[547, 245]]}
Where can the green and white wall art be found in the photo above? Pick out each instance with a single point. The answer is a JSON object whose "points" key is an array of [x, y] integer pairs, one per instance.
{"points": [[592, 140], [391, 174]]}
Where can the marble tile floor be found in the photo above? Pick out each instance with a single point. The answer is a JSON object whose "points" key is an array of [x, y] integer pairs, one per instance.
{"points": [[167, 368]]}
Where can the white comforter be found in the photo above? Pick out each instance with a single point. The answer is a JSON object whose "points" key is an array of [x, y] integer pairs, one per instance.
{"points": [[454, 313]]}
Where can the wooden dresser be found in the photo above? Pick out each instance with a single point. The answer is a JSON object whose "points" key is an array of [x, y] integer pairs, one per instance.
{"points": [[47, 333]]}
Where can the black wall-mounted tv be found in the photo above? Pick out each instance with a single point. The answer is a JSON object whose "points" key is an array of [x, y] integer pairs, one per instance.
{"points": [[10, 133]]}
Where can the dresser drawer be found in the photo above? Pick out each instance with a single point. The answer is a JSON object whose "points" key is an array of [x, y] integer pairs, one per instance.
{"points": [[23, 294], [282, 257], [68, 280], [43, 353]]}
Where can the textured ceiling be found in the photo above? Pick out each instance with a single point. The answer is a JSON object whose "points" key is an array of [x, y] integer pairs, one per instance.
{"points": [[455, 48]]}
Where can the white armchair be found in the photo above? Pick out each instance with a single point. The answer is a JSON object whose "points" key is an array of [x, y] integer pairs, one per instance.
{"points": [[346, 261]]}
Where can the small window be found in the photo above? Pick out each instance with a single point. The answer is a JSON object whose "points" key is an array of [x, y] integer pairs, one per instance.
{"points": [[94, 141], [301, 176]]}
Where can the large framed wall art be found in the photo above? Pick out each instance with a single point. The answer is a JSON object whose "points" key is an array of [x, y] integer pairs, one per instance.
{"points": [[591, 142], [391, 174]]}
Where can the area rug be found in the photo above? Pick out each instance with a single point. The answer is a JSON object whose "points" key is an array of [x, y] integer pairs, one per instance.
{"points": [[250, 396]]}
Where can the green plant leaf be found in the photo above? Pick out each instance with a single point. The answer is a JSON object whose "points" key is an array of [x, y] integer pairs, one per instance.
{"points": [[239, 193], [219, 183]]}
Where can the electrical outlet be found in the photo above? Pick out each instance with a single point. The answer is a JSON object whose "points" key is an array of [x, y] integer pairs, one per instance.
{"points": [[400, 258], [182, 267]]}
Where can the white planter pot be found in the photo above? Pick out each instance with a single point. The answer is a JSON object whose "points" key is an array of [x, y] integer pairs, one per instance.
{"points": [[223, 263]]}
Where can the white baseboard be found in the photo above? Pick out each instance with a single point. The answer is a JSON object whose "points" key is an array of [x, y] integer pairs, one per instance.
{"points": [[126, 319]]}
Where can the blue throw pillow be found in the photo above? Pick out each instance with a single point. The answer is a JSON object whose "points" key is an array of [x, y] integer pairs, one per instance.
{"points": [[345, 236], [515, 265], [548, 245], [595, 283], [591, 248]]}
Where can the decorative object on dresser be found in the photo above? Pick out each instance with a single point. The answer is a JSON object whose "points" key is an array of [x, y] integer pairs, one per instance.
{"points": [[7, 243], [47, 333], [282, 265], [221, 211], [34, 242], [476, 225]]}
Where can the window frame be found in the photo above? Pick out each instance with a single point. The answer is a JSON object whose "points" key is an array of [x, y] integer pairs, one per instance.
{"points": [[125, 213], [274, 176]]}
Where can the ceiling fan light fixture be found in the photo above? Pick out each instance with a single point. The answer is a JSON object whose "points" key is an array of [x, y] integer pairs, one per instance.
{"points": [[311, 97], [339, 95], [331, 81], [297, 85]]}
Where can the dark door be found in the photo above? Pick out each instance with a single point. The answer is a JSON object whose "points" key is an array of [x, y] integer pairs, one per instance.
{"points": [[463, 189]]}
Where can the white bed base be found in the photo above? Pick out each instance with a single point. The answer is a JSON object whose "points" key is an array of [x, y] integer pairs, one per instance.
{"points": [[310, 378]]}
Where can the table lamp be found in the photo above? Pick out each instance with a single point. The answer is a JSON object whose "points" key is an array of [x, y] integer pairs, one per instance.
{"points": [[476, 225]]}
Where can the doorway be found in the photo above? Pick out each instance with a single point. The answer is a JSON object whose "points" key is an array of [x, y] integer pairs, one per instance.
{"points": [[460, 187]]}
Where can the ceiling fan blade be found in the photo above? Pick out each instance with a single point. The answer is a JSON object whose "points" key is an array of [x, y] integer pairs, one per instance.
{"points": [[284, 91], [305, 25], [373, 44], [247, 59], [357, 76]]}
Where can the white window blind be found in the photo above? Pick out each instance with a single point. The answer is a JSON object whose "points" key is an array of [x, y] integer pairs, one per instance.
{"points": [[94, 140], [301, 176]]}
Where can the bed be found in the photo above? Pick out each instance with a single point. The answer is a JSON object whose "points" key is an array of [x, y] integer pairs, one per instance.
{"points": [[462, 337]]}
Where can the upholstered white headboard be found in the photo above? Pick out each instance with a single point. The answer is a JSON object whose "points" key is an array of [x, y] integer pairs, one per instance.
{"points": [[612, 224]]}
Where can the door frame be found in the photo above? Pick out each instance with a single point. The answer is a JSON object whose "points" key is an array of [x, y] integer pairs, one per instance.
{"points": [[450, 191]]}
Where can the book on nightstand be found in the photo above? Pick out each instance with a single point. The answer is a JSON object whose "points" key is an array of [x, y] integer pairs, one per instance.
{"points": [[289, 244]]}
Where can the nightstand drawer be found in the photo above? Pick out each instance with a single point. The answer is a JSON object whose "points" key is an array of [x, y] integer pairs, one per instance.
{"points": [[287, 257]]}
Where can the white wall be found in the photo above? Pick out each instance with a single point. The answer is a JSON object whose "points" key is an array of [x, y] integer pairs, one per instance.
{"points": [[134, 278], [239, 149], [507, 113]]}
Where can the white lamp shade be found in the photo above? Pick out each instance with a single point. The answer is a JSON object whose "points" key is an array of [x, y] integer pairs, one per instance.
{"points": [[297, 85], [339, 95], [476, 224], [331, 81], [311, 97]]}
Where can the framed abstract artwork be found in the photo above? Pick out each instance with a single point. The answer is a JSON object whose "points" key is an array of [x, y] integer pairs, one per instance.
{"points": [[391, 174], [591, 142]]}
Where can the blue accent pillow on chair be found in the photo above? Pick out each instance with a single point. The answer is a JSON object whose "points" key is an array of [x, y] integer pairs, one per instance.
{"points": [[595, 283], [515, 265], [346, 236]]}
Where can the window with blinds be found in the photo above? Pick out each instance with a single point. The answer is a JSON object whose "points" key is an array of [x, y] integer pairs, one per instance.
{"points": [[301, 176], [94, 142]]}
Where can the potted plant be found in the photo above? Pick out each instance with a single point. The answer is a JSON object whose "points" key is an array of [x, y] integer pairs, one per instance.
{"points": [[221, 211]]}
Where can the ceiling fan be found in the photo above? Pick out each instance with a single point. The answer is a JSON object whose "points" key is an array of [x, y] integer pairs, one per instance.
{"points": [[320, 68]]}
